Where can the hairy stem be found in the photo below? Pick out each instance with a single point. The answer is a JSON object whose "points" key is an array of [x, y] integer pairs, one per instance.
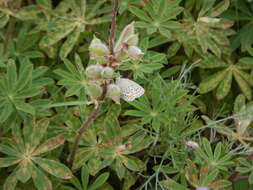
{"points": [[81, 130], [94, 114], [113, 26]]}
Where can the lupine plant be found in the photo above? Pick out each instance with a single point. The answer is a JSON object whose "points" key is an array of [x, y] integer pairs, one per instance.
{"points": [[126, 95]]}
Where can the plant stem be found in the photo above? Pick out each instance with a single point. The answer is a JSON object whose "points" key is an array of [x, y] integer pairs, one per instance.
{"points": [[113, 26], [81, 130], [94, 114]]}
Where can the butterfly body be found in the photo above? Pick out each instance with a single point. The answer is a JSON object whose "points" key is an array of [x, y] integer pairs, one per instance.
{"points": [[129, 89]]}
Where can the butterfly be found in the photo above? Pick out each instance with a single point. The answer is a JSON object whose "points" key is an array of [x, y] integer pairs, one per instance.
{"points": [[129, 90]]}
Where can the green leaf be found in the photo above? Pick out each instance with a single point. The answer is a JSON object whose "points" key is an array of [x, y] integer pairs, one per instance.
{"points": [[25, 107], [69, 44], [53, 37], [25, 75], [11, 74], [75, 181], [40, 180], [242, 170], [210, 177], [208, 148], [220, 8], [165, 32], [23, 173], [10, 182], [251, 178], [239, 103], [9, 161], [245, 88], [45, 3], [74, 103], [53, 167], [139, 13], [4, 20], [7, 110], [173, 185], [99, 181], [8, 150], [211, 82], [85, 177], [27, 93], [133, 163], [49, 145], [217, 151], [248, 78], [225, 85]]}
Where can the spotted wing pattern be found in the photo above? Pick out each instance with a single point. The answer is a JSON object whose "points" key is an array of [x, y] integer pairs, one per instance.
{"points": [[129, 89]]}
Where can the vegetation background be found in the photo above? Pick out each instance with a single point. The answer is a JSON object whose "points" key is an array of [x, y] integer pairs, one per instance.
{"points": [[63, 125]]}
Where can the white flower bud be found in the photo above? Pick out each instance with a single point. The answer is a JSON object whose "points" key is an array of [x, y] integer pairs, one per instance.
{"points": [[192, 144], [93, 71], [107, 72], [97, 48], [132, 40], [134, 52], [125, 34], [94, 90], [113, 92], [209, 20]]}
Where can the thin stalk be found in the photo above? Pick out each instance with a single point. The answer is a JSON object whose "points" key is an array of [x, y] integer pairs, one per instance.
{"points": [[113, 26], [80, 132], [94, 114]]}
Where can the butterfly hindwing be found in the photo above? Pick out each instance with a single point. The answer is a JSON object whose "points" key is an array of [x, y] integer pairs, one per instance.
{"points": [[129, 89]]}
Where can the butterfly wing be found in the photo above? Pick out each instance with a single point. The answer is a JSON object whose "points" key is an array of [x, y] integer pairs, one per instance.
{"points": [[129, 89]]}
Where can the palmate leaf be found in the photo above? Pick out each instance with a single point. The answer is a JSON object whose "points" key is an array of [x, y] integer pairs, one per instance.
{"points": [[150, 62], [204, 176], [56, 36], [125, 4], [243, 12], [222, 79], [11, 182], [117, 145], [211, 82], [158, 16], [25, 149], [74, 79], [17, 48], [17, 85], [85, 184], [154, 110], [207, 31], [214, 159], [133, 163], [54, 168], [68, 22], [40, 180], [69, 43]]}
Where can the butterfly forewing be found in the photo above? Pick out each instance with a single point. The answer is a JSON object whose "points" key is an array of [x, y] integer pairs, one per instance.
{"points": [[129, 89]]}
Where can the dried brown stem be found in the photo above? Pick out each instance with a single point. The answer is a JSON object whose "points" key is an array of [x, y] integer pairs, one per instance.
{"points": [[113, 26], [81, 130], [94, 114]]}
